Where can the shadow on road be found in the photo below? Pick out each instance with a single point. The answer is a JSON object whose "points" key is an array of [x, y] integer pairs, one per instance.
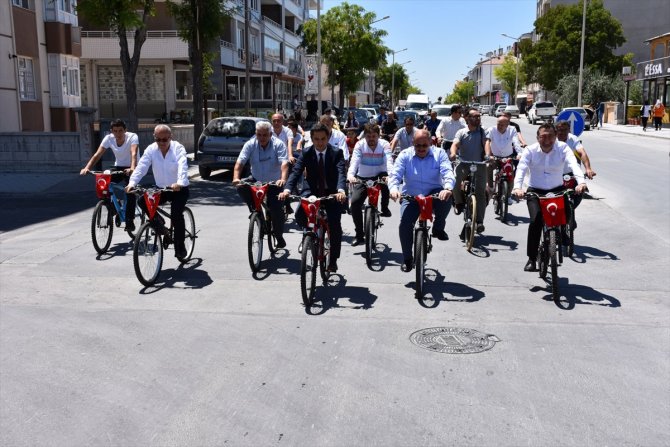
{"points": [[437, 289], [189, 274], [21, 211], [278, 264], [514, 221], [574, 294], [330, 295], [583, 253]]}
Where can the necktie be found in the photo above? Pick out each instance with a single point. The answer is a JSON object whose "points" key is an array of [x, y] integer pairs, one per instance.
{"points": [[322, 176]]}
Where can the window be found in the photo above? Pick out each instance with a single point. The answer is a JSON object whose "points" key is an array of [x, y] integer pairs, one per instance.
{"points": [[289, 53], [254, 5], [261, 88], [272, 48], [69, 6], [26, 78], [23, 3], [183, 84]]}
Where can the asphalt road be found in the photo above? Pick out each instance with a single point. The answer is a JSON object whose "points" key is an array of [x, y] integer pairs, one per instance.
{"points": [[214, 356]]}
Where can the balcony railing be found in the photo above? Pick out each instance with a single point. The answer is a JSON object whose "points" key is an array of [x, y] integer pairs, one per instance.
{"points": [[255, 59], [131, 34], [226, 44], [269, 20]]}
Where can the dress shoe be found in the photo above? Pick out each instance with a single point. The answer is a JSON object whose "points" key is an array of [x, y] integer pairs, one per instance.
{"points": [[180, 253], [130, 227], [530, 266], [167, 239], [458, 208], [281, 243], [441, 235], [480, 228], [332, 267], [357, 241], [386, 212], [407, 265]]}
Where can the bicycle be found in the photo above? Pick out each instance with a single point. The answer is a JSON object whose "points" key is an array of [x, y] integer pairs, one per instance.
{"points": [[260, 224], [469, 187], [153, 237], [504, 174], [372, 218], [315, 245], [110, 211], [423, 241], [570, 182], [549, 255]]}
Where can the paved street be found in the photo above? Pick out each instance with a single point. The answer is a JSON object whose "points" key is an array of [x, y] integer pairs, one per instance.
{"points": [[214, 356]]}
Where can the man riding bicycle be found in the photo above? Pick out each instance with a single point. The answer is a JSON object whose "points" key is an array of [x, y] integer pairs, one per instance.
{"points": [[169, 165], [544, 161], [124, 146], [404, 137], [371, 160], [422, 170], [446, 130], [503, 142], [470, 144], [268, 158]]}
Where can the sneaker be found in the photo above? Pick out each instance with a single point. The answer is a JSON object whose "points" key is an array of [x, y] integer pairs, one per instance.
{"points": [[480, 228], [458, 208], [281, 243], [407, 265], [357, 241], [386, 212], [167, 239], [332, 267], [130, 227], [441, 235], [530, 266]]}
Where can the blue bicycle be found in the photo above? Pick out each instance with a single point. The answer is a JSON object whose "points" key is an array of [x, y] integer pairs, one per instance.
{"points": [[110, 210]]}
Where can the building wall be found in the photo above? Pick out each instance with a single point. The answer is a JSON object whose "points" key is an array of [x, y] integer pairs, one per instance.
{"points": [[9, 99], [40, 151]]}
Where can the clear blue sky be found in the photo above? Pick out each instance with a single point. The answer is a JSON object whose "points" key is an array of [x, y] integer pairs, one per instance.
{"points": [[444, 37]]}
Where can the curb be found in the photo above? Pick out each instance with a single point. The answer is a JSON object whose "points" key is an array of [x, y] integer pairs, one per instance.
{"points": [[647, 134]]}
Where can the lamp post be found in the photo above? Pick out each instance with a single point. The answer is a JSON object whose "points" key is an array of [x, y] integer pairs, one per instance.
{"points": [[393, 76], [379, 20], [581, 59], [405, 63], [516, 78]]}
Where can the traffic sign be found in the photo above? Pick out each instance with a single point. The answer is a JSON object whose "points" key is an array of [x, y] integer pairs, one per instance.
{"points": [[574, 118]]}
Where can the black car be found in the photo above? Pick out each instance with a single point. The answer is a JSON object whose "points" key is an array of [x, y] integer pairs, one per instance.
{"points": [[222, 140], [360, 115]]}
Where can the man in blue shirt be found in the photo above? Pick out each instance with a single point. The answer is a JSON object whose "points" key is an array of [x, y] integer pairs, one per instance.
{"points": [[432, 123], [269, 163], [422, 170], [382, 115]]}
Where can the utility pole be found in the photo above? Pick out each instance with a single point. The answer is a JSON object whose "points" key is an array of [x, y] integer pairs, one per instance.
{"points": [[581, 58], [318, 58], [247, 57]]}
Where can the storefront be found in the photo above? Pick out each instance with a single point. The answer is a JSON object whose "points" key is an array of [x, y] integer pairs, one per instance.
{"points": [[655, 73]]}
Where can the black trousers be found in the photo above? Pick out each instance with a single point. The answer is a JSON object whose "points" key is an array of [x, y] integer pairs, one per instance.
{"points": [[658, 122], [177, 201], [275, 205], [536, 220], [334, 211], [131, 199], [358, 195]]}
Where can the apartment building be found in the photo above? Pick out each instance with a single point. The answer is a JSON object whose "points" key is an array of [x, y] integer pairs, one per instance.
{"points": [[164, 84], [487, 86], [39, 78], [655, 72]]}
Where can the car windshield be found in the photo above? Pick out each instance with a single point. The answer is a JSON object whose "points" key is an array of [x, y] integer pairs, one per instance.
{"points": [[442, 111], [231, 128], [544, 104], [417, 105]]}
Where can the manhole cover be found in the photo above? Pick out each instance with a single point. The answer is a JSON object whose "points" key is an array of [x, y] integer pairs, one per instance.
{"points": [[453, 340]]}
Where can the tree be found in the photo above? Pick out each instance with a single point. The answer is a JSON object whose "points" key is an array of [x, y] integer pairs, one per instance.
{"points": [[557, 52], [349, 45], [506, 74], [462, 94], [122, 17], [201, 23], [385, 79], [596, 87]]}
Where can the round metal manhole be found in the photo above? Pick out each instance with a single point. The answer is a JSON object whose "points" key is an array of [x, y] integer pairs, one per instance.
{"points": [[453, 340]]}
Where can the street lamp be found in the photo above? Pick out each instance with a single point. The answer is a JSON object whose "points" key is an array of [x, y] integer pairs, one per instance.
{"points": [[393, 75], [581, 59], [516, 78], [379, 20]]}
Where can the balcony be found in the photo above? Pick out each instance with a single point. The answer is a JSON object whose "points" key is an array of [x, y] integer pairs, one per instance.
{"points": [[255, 58], [159, 45]]}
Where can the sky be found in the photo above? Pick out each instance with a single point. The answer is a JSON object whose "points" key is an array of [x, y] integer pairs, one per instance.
{"points": [[444, 37]]}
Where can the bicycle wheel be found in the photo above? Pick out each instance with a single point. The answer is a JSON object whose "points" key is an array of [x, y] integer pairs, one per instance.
{"points": [[102, 226], [420, 261], [308, 269], [554, 266], [498, 203], [255, 242], [267, 230], [570, 234], [504, 206], [542, 256], [324, 257], [147, 254], [370, 234], [470, 236], [189, 238], [139, 214]]}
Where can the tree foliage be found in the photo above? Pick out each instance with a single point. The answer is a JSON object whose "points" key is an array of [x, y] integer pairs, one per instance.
{"points": [[596, 87], [200, 24], [506, 74], [349, 45], [557, 52], [462, 93], [122, 16], [402, 86]]}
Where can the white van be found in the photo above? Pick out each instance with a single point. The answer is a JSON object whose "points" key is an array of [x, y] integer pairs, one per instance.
{"points": [[418, 103]]}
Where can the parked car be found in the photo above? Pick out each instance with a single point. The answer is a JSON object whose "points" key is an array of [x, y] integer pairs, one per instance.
{"points": [[585, 115], [442, 110], [373, 106], [514, 110], [500, 110], [404, 114], [371, 112], [221, 141], [494, 108], [362, 116], [485, 109], [543, 110]]}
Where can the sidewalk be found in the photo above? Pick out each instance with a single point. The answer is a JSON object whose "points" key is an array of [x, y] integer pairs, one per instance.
{"points": [[636, 130]]}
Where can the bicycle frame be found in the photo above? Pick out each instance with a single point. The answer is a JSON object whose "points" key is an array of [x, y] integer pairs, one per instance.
{"points": [[110, 191], [504, 169]]}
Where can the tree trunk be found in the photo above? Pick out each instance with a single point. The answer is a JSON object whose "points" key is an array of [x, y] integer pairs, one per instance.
{"points": [[341, 95], [129, 65], [196, 67]]}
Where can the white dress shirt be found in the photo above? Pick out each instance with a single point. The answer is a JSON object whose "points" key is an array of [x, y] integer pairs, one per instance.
{"points": [[173, 168], [502, 144], [546, 169], [448, 127], [339, 139]]}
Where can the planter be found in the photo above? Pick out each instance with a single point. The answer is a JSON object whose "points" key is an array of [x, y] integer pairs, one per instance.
{"points": [[634, 121]]}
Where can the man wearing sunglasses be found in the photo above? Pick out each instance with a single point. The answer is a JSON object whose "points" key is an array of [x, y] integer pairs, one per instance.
{"points": [[422, 170], [169, 165]]}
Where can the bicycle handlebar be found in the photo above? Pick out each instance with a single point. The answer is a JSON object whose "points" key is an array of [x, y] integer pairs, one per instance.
{"points": [[108, 171], [529, 194], [141, 190], [408, 197], [292, 197], [245, 183]]}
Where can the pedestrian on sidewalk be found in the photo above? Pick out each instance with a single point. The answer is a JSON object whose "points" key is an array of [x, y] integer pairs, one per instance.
{"points": [[600, 109], [659, 111], [645, 111]]}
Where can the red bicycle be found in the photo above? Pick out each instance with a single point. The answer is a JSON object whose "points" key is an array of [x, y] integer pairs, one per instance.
{"points": [[260, 224], [315, 245], [504, 175], [372, 219], [422, 239]]}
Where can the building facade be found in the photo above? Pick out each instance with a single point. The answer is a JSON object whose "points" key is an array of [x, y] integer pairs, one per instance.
{"points": [[655, 72], [39, 84], [487, 86]]}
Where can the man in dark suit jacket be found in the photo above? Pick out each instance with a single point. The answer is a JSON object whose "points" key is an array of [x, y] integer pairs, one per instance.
{"points": [[333, 181]]}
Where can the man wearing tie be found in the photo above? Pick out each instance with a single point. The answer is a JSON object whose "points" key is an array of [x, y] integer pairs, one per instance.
{"points": [[326, 175]]}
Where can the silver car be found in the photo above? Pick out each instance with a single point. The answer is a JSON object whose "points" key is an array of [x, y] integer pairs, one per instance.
{"points": [[500, 111]]}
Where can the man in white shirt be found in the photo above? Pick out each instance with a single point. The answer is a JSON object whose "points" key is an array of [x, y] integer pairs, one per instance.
{"points": [[124, 146], [446, 130], [371, 160], [544, 161], [504, 143], [279, 130], [337, 138], [169, 165]]}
